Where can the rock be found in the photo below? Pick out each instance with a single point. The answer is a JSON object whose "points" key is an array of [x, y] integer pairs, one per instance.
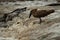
{"points": [[53, 4], [2, 24], [2, 38], [31, 30]]}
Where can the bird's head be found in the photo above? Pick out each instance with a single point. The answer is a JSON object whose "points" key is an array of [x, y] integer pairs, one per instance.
{"points": [[32, 12]]}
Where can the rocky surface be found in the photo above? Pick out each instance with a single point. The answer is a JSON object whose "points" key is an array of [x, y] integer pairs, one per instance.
{"points": [[23, 28]]}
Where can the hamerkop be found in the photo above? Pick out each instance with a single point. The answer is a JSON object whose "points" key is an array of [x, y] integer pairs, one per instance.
{"points": [[40, 13]]}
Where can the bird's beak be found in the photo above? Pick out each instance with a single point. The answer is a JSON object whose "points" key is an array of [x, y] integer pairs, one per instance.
{"points": [[30, 15]]}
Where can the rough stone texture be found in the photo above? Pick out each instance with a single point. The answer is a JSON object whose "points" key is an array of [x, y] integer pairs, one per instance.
{"points": [[23, 28], [26, 0]]}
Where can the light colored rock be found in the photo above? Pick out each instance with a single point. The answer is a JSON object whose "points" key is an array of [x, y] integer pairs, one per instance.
{"points": [[24, 28]]}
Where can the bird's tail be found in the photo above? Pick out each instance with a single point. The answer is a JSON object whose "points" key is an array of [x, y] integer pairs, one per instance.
{"points": [[52, 11]]}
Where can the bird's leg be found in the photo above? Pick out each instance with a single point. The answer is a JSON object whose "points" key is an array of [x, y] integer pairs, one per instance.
{"points": [[40, 20]]}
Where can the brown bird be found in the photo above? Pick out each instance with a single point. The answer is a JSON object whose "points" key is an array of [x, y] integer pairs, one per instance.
{"points": [[40, 13]]}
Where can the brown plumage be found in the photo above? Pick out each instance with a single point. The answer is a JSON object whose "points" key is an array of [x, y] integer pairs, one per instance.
{"points": [[40, 13]]}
